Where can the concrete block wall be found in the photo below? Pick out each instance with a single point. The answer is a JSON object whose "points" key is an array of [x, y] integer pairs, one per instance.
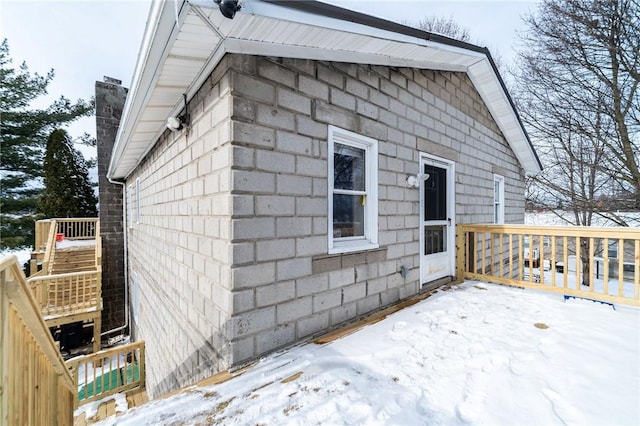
{"points": [[230, 257], [290, 288], [179, 253]]}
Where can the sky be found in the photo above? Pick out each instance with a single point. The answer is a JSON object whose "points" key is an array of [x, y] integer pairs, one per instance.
{"points": [[83, 41], [475, 354]]}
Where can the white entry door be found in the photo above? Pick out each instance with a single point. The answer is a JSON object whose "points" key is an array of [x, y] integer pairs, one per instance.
{"points": [[437, 218]]}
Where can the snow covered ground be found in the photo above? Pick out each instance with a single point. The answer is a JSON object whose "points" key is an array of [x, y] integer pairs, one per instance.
{"points": [[550, 218], [478, 354]]}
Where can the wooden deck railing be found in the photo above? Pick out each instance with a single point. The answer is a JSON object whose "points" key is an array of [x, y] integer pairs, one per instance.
{"points": [[37, 387], [107, 372], [68, 294], [78, 228], [595, 263]]}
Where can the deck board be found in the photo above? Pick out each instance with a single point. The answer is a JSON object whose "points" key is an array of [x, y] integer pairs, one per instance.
{"points": [[135, 398]]}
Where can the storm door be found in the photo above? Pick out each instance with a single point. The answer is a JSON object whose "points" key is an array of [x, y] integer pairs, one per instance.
{"points": [[437, 227]]}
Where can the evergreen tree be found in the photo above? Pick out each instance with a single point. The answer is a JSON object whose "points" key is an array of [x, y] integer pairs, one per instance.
{"points": [[23, 136], [67, 189]]}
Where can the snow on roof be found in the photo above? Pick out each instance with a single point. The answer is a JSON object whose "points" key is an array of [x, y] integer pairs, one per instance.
{"points": [[479, 354], [185, 40]]}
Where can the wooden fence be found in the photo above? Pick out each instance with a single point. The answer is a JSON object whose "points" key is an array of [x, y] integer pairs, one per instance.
{"points": [[78, 228], [107, 372], [596, 263], [37, 388]]}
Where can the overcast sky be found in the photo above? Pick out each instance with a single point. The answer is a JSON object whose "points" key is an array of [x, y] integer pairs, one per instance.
{"points": [[86, 40]]}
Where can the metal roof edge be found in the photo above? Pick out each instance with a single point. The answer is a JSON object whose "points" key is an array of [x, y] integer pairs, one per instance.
{"points": [[161, 22]]}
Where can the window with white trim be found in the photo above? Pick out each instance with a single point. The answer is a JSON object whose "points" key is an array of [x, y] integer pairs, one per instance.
{"points": [[353, 191], [130, 206], [612, 251], [498, 199], [138, 200]]}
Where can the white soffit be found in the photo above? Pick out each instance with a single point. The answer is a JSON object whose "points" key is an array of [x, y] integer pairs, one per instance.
{"points": [[177, 55]]}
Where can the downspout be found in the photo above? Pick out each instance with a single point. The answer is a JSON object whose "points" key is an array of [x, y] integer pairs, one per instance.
{"points": [[126, 269]]}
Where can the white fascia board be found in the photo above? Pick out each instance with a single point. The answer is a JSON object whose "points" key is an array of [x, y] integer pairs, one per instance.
{"points": [[160, 31], [486, 81]]}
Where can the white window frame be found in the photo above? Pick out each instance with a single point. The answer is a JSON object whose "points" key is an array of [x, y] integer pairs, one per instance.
{"points": [[137, 200], [498, 205], [370, 146], [130, 206]]}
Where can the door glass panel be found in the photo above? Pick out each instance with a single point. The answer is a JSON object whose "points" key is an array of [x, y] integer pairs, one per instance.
{"points": [[435, 193], [348, 215], [435, 239], [349, 168]]}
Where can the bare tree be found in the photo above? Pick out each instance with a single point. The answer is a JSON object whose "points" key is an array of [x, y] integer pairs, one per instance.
{"points": [[445, 26], [578, 94]]}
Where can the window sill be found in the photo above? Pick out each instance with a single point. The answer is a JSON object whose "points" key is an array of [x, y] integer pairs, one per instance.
{"points": [[351, 247]]}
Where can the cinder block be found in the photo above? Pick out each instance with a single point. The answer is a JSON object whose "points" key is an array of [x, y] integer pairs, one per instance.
{"points": [[312, 284], [253, 181], [276, 72], [275, 117], [326, 263], [290, 142], [252, 134], [342, 313], [336, 116], [280, 248], [273, 294], [389, 296], [249, 87], [368, 304], [277, 162], [253, 228], [293, 226], [309, 127], [311, 206], [309, 166], [327, 300], [313, 324], [330, 75], [342, 99], [275, 338], [376, 285], [313, 87], [240, 350], [293, 268], [253, 275], [341, 277], [288, 312], [354, 292], [352, 259], [294, 185], [293, 101], [252, 322], [243, 301], [275, 205], [356, 88], [309, 246]]}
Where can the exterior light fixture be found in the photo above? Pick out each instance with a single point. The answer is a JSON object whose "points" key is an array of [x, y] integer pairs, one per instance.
{"points": [[175, 124], [228, 8], [414, 181]]}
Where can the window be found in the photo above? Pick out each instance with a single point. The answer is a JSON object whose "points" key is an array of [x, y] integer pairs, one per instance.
{"points": [[137, 200], [130, 206], [498, 199], [353, 191]]}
